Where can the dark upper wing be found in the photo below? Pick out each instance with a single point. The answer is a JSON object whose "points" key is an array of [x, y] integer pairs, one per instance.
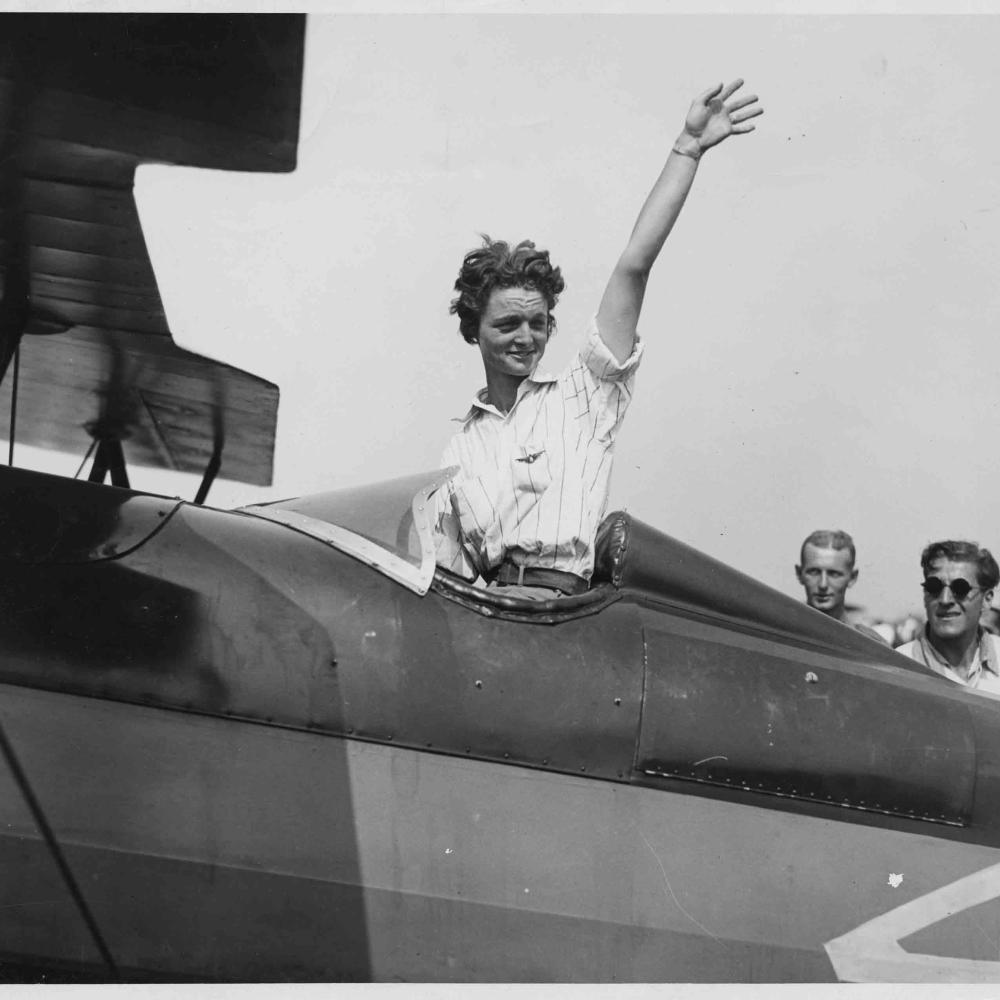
{"points": [[83, 100]]}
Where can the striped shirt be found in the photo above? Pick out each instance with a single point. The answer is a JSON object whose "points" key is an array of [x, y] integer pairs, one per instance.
{"points": [[533, 484], [984, 671]]}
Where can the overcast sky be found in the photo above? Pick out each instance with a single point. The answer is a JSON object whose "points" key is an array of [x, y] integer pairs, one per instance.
{"points": [[821, 326]]}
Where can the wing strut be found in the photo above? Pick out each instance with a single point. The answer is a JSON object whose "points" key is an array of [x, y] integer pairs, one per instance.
{"points": [[15, 306], [210, 473], [109, 458], [13, 407], [215, 462]]}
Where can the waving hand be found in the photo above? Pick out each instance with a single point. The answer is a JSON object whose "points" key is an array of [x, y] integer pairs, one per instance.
{"points": [[716, 114]]}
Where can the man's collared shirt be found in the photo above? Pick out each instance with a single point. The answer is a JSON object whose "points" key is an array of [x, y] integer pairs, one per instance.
{"points": [[984, 675], [533, 483]]}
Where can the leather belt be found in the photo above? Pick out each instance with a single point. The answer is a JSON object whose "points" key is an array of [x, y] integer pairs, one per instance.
{"points": [[508, 574]]}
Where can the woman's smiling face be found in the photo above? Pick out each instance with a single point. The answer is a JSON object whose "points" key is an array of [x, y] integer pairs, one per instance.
{"points": [[514, 331]]}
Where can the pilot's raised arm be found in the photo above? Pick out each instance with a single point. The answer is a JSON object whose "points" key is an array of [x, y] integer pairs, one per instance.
{"points": [[535, 450], [714, 115]]}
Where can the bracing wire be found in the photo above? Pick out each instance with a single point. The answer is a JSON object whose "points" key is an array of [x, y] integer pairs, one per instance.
{"points": [[90, 451], [53, 844]]}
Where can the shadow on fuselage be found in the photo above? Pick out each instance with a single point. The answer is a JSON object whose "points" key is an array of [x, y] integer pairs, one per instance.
{"points": [[169, 684]]}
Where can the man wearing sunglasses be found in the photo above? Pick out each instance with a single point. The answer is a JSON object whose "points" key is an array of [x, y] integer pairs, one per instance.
{"points": [[959, 579]]}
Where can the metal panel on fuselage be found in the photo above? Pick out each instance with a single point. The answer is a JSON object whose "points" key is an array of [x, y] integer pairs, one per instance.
{"points": [[223, 849], [232, 615], [727, 708], [564, 696]]}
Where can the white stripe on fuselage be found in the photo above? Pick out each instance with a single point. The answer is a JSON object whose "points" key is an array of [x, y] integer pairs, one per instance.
{"points": [[871, 953]]}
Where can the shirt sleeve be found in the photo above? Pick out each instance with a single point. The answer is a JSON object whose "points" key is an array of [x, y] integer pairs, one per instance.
{"points": [[602, 364], [597, 388]]}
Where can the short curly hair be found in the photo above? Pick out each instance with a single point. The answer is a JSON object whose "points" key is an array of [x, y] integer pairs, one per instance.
{"points": [[498, 265], [987, 571]]}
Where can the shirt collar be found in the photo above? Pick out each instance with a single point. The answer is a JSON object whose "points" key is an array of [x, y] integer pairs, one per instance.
{"points": [[481, 404], [986, 657]]}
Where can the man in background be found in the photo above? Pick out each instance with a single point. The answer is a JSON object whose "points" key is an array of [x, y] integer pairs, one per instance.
{"points": [[959, 581], [826, 570]]}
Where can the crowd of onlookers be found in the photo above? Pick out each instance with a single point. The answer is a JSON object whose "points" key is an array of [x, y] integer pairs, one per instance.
{"points": [[960, 638]]}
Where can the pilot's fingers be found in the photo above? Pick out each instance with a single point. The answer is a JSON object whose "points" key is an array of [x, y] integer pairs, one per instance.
{"points": [[741, 102], [707, 95], [742, 116], [730, 89]]}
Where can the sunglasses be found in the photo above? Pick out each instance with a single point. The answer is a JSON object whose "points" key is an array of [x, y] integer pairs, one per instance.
{"points": [[934, 587]]}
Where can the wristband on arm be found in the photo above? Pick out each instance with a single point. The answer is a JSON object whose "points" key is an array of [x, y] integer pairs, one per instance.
{"points": [[686, 145]]}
